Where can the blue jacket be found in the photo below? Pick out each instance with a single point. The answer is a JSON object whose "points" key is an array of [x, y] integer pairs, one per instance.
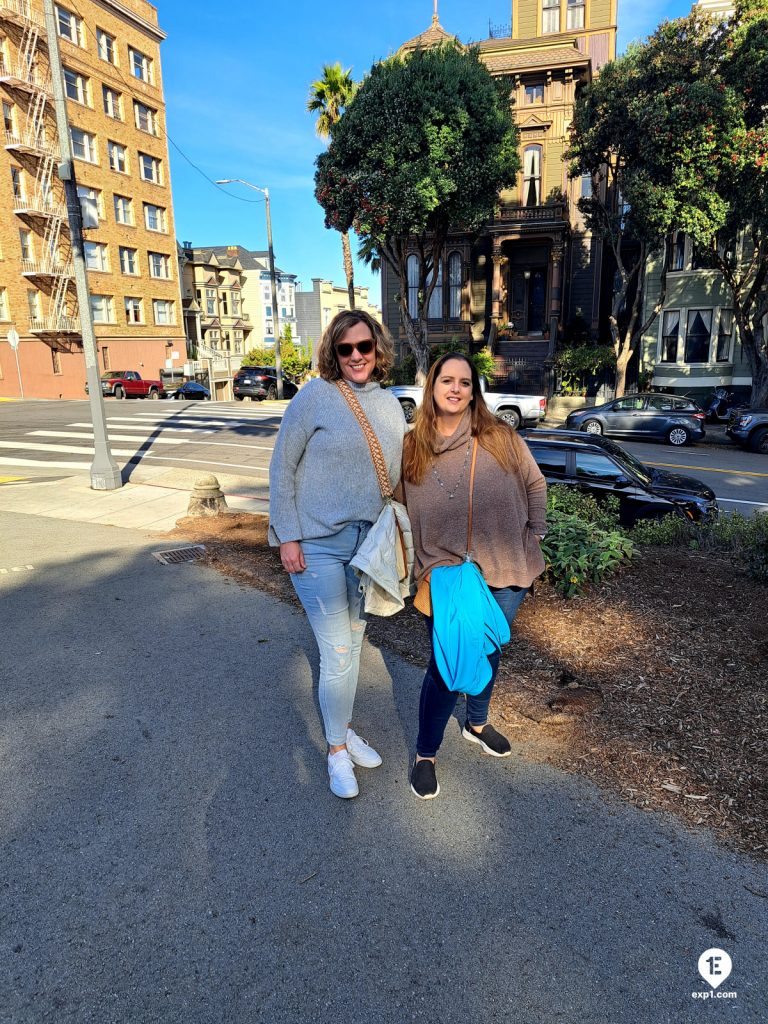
{"points": [[468, 625]]}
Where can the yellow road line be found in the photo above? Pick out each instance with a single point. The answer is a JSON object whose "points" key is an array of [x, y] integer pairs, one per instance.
{"points": [[11, 479], [704, 469]]}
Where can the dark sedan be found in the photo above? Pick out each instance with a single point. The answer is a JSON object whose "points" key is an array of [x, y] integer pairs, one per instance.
{"points": [[749, 427], [260, 382], [191, 391], [668, 418], [601, 467]]}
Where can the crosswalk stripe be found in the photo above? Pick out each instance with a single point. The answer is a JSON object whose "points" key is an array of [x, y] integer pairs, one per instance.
{"points": [[129, 425], [183, 422], [153, 440]]}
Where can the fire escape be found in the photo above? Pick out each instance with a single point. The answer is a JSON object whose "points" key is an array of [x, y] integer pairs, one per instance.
{"points": [[35, 145]]}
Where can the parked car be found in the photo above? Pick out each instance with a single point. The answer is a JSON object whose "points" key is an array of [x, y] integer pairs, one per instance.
{"points": [[260, 382], [513, 409], [668, 418], [749, 428], [191, 390], [129, 384], [600, 467]]}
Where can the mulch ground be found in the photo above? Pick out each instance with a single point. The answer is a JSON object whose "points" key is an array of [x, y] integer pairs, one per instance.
{"points": [[652, 685]]}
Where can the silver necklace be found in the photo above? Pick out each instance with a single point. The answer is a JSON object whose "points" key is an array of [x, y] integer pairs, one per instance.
{"points": [[455, 488]]}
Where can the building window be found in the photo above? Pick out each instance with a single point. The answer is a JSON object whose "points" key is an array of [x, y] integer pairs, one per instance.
{"points": [[435, 311], [724, 334], [90, 205], [210, 302], [575, 14], [145, 117], [224, 305], [8, 118], [25, 238], [677, 259], [55, 360], [106, 46], [534, 94], [118, 157], [160, 265], [163, 309], [412, 270], [149, 168], [17, 183], [141, 65], [133, 313], [697, 335], [96, 256], [532, 176], [550, 21], [235, 304], [75, 86], [4, 305], [154, 217], [123, 210], [128, 261], [69, 26], [669, 336], [586, 185], [83, 145], [33, 304], [101, 309], [112, 104], [454, 286]]}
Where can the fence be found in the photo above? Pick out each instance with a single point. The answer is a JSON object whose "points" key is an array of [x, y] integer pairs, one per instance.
{"points": [[523, 377]]}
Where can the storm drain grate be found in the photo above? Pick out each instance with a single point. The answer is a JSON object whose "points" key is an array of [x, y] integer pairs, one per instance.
{"points": [[180, 554]]}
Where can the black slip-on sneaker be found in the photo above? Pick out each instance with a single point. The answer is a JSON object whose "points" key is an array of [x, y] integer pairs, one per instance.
{"points": [[424, 781], [490, 740]]}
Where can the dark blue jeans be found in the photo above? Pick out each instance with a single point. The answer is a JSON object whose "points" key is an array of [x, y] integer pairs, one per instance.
{"points": [[437, 701]]}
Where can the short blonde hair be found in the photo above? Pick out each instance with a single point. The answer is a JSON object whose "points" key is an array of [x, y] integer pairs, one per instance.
{"points": [[328, 364]]}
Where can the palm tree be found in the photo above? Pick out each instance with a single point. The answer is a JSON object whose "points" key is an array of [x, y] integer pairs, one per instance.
{"points": [[328, 98]]}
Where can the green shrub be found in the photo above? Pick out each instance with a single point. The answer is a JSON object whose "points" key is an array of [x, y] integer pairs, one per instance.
{"points": [[570, 501], [579, 553], [404, 372]]}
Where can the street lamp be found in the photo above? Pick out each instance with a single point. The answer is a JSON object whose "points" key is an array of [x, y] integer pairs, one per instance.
{"points": [[272, 278]]}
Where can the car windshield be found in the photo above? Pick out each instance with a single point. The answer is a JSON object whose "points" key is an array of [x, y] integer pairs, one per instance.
{"points": [[628, 460]]}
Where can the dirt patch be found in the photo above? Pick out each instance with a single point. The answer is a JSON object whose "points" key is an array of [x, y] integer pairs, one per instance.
{"points": [[653, 685]]}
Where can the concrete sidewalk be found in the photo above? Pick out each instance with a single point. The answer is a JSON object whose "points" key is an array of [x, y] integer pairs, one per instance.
{"points": [[170, 852], [157, 499]]}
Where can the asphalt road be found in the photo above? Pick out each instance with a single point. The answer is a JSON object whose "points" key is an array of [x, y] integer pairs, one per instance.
{"points": [[170, 852], [237, 438]]}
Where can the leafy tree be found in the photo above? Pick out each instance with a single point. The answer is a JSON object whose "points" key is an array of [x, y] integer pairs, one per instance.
{"points": [[424, 149], [329, 96], [295, 360], [645, 131]]}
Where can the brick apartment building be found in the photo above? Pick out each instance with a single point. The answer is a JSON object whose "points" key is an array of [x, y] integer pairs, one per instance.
{"points": [[110, 53]]}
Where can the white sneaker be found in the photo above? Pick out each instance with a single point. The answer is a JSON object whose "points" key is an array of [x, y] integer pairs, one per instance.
{"points": [[362, 753], [342, 774]]}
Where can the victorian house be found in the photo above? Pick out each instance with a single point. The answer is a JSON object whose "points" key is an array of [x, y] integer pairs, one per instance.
{"points": [[534, 267]]}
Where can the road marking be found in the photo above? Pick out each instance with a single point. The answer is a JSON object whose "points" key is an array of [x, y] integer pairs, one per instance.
{"points": [[43, 464], [704, 469], [131, 425], [740, 501], [17, 568], [151, 440], [201, 424], [11, 479]]}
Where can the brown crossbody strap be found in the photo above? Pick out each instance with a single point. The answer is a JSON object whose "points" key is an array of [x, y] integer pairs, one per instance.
{"points": [[471, 493], [377, 455]]}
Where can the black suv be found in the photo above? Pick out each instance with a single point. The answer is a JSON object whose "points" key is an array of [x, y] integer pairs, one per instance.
{"points": [[600, 467], [260, 382], [749, 427]]}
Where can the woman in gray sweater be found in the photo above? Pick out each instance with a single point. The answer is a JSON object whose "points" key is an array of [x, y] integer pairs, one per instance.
{"points": [[323, 498]]}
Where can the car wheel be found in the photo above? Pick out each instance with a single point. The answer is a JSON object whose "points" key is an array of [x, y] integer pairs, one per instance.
{"points": [[510, 416], [409, 411], [154, 393], [119, 392], [592, 427], [239, 398], [758, 442], [678, 436], [272, 392]]}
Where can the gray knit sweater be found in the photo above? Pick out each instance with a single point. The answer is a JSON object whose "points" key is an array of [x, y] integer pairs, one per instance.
{"points": [[321, 476]]}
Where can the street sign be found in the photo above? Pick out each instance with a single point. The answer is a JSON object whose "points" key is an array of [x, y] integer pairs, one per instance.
{"points": [[13, 338]]}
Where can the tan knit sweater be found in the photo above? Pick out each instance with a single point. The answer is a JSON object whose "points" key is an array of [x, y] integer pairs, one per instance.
{"points": [[509, 510]]}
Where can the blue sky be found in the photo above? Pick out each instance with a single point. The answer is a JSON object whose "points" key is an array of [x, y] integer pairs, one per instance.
{"points": [[236, 81]]}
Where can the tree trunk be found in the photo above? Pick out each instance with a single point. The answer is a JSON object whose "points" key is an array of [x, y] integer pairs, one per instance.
{"points": [[348, 270], [622, 360], [416, 333]]}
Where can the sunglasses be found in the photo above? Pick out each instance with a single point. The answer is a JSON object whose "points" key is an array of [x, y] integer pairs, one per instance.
{"points": [[345, 349]]}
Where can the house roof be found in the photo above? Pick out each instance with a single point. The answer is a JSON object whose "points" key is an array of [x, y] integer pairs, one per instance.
{"points": [[433, 36], [532, 57]]}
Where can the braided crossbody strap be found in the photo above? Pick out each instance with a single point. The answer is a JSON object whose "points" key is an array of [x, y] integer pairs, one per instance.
{"points": [[379, 462]]}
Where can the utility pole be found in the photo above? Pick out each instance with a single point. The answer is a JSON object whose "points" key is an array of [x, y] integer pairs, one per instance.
{"points": [[272, 278], [105, 472]]}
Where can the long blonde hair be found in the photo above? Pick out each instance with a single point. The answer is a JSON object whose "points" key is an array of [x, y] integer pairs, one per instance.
{"points": [[495, 436], [327, 362]]}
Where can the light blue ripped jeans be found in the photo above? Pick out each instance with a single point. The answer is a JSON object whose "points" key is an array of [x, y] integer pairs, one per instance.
{"points": [[329, 591]]}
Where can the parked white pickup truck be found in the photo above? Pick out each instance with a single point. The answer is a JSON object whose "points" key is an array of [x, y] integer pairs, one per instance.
{"points": [[527, 410]]}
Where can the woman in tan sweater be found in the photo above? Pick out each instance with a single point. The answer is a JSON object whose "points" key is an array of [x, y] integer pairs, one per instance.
{"points": [[508, 522]]}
